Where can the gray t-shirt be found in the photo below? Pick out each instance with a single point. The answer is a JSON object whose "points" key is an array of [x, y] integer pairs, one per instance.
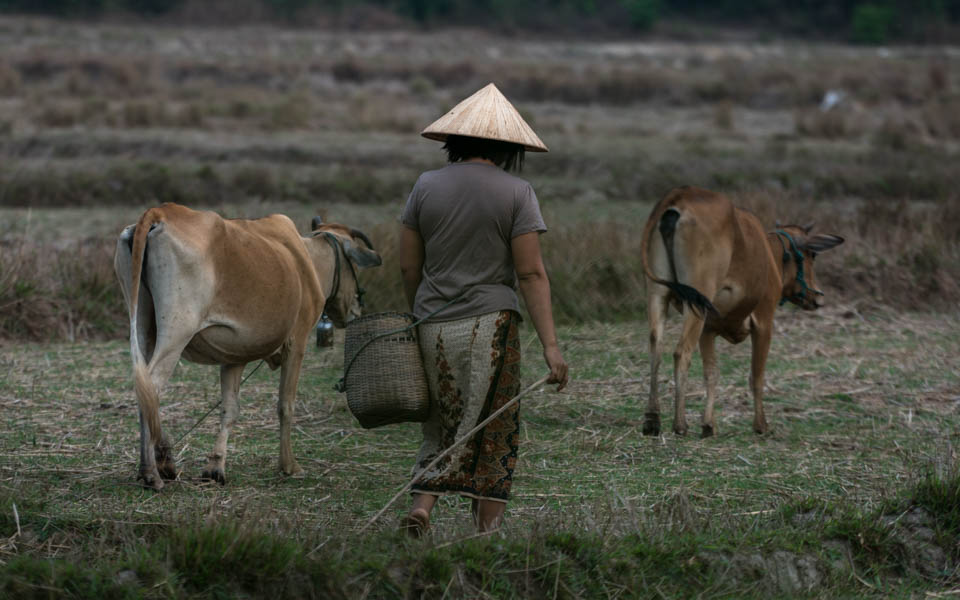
{"points": [[467, 214]]}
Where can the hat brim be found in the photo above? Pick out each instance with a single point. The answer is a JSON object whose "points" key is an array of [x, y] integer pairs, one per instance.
{"points": [[487, 115], [442, 137]]}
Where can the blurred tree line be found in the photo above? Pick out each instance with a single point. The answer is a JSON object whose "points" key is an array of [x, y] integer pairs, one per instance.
{"points": [[866, 21]]}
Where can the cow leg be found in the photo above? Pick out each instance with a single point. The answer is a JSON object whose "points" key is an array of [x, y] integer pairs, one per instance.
{"points": [[760, 334], [656, 315], [692, 327], [229, 390], [709, 357], [156, 463], [156, 457], [289, 377], [149, 457]]}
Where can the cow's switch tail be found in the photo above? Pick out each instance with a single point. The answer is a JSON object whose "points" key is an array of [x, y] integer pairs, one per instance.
{"points": [[147, 398], [146, 391], [666, 217]]}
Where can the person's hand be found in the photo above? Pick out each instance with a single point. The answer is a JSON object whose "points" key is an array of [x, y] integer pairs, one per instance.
{"points": [[558, 367]]}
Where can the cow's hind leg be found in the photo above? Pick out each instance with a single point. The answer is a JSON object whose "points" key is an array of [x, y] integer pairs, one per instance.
{"points": [[150, 455], [692, 327], [163, 451], [156, 460], [289, 376], [709, 357], [760, 334], [229, 409], [156, 455], [656, 315]]}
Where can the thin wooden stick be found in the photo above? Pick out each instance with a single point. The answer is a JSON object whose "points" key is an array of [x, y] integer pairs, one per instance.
{"points": [[446, 452]]}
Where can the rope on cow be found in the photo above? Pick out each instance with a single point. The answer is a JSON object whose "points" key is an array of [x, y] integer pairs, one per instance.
{"points": [[337, 247], [798, 259], [214, 407]]}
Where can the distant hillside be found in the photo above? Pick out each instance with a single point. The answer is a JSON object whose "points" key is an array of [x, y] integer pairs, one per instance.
{"points": [[862, 21]]}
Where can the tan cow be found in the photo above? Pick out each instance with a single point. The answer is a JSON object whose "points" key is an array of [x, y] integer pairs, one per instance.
{"points": [[227, 292], [719, 261]]}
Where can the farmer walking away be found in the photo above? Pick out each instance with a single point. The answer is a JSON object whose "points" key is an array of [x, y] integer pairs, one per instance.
{"points": [[470, 240]]}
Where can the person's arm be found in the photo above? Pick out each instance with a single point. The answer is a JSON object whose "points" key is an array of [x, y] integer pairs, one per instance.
{"points": [[535, 289], [411, 262]]}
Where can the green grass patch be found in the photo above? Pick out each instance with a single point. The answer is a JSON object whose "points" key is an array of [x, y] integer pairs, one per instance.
{"points": [[853, 491]]}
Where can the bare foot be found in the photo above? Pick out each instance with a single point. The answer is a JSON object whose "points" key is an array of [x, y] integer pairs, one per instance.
{"points": [[416, 524]]}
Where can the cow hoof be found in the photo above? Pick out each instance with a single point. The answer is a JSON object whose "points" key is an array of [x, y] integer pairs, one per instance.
{"points": [[151, 479], [651, 424], [293, 469], [680, 430], [167, 470], [166, 467], [706, 431], [215, 474]]}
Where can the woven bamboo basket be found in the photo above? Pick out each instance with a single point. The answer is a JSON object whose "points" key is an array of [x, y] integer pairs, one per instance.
{"points": [[383, 371]]}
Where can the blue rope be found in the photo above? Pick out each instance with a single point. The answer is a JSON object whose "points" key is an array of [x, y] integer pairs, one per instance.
{"points": [[798, 258]]}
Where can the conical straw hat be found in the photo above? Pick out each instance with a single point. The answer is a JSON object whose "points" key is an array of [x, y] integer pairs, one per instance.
{"points": [[486, 114]]}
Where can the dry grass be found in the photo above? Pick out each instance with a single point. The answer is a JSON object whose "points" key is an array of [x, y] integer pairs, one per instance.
{"points": [[10, 79], [744, 84], [418, 74], [863, 396], [859, 407], [67, 293], [897, 254]]}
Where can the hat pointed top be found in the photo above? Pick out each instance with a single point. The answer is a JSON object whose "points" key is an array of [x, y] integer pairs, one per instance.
{"points": [[489, 115]]}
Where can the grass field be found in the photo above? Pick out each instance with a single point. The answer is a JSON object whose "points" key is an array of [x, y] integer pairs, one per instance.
{"points": [[854, 492], [100, 121], [865, 411]]}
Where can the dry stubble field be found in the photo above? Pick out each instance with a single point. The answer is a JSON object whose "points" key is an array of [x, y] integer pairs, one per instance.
{"points": [[853, 492], [862, 408]]}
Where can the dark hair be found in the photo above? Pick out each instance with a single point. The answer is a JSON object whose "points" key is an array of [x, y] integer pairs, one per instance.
{"points": [[503, 154]]}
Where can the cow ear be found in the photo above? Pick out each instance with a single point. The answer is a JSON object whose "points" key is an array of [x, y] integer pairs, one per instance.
{"points": [[315, 223], [364, 257], [809, 227], [822, 242]]}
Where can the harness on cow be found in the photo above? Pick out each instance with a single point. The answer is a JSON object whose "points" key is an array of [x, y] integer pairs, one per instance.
{"points": [[797, 258], [337, 246]]}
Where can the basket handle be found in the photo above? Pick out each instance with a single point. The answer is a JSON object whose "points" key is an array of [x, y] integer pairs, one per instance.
{"points": [[341, 386]]}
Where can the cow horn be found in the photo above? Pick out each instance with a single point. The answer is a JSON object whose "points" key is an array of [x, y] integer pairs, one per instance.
{"points": [[315, 223], [808, 228], [362, 236], [776, 224]]}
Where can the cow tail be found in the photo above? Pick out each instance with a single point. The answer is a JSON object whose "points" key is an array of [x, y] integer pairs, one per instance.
{"points": [[665, 216], [147, 396]]}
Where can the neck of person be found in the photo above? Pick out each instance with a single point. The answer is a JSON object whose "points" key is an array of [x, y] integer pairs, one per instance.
{"points": [[477, 159]]}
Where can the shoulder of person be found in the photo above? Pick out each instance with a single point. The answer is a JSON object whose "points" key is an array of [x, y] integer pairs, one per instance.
{"points": [[424, 183], [427, 176], [519, 184], [523, 189], [424, 178]]}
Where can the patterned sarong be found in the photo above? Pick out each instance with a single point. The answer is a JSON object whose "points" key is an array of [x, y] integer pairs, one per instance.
{"points": [[473, 368]]}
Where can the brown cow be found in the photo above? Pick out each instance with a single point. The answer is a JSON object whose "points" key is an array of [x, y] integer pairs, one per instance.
{"points": [[719, 261], [228, 292]]}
